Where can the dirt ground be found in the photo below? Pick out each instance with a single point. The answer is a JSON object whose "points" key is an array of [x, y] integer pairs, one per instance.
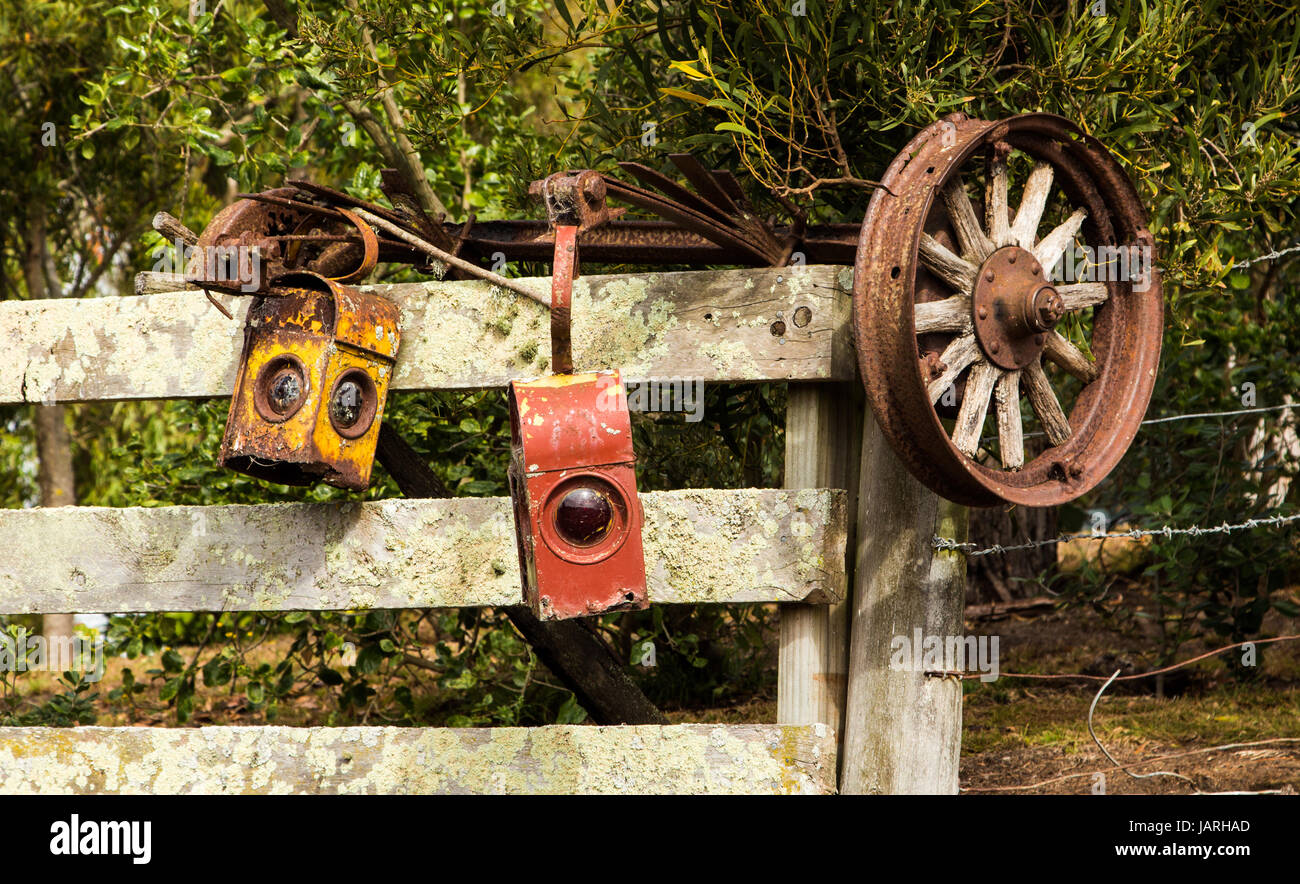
{"points": [[1031, 736]]}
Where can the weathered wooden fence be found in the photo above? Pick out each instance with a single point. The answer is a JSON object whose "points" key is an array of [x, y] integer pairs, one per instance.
{"points": [[844, 548]]}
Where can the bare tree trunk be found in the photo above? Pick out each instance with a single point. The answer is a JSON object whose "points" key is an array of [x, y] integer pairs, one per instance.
{"points": [[53, 444], [54, 451], [1013, 575]]}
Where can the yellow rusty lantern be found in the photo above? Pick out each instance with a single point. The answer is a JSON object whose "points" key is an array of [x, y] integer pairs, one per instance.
{"points": [[318, 357]]}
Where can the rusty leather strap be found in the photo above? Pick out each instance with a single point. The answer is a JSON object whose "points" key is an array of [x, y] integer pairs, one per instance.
{"points": [[566, 260]]}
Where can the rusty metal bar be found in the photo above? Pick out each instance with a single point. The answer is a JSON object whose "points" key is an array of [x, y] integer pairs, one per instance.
{"points": [[565, 264], [649, 242]]}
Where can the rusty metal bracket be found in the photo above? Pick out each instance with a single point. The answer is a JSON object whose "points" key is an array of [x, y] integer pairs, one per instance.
{"points": [[301, 226], [369, 244], [575, 199], [563, 270]]}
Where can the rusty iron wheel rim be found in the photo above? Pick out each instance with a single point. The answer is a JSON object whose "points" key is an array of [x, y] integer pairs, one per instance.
{"points": [[891, 271]]}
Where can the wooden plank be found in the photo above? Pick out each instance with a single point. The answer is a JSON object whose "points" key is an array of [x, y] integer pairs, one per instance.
{"points": [[1011, 434], [975, 246], [555, 760], [902, 731], [1033, 200], [960, 352], [701, 546], [822, 434], [1070, 357], [969, 426], [996, 213], [724, 325], [950, 314]]}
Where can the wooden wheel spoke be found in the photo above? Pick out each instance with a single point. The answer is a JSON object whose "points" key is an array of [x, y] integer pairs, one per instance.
{"points": [[1053, 246], [974, 407], [1038, 389], [956, 357], [1011, 434], [974, 245], [996, 213], [1032, 204], [1070, 357], [1078, 295], [949, 315], [952, 269]]}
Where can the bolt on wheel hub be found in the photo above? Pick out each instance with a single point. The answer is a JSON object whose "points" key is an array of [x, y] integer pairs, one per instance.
{"points": [[1014, 307]]}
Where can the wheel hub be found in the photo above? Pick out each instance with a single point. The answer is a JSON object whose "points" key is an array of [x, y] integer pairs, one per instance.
{"points": [[1014, 307]]}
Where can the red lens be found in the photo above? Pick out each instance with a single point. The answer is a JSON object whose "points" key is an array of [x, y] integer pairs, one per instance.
{"points": [[584, 516]]}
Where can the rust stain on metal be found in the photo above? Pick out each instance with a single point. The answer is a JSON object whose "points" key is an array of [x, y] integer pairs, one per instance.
{"points": [[314, 374], [1013, 307], [578, 519], [563, 270]]}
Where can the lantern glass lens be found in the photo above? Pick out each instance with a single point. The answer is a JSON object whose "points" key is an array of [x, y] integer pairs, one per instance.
{"points": [[345, 407], [286, 390], [584, 516]]}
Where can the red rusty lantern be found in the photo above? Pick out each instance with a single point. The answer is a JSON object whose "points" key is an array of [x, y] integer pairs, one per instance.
{"points": [[572, 479], [577, 515]]}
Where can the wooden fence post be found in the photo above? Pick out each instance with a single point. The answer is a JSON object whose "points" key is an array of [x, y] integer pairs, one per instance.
{"points": [[902, 728], [822, 430]]}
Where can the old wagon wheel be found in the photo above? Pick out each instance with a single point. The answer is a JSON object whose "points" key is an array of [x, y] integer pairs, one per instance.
{"points": [[960, 309]]}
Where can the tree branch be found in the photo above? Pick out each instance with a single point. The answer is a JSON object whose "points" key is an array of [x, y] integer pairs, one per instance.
{"points": [[405, 158]]}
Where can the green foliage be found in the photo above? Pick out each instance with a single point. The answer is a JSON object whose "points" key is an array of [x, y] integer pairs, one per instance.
{"points": [[76, 705], [1209, 472], [812, 106], [17, 459]]}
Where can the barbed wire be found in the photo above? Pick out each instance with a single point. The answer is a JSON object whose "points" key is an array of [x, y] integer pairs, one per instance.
{"points": [[1167, 531], [1271, 256], [973, 550], [1203, 414], [1179, 417]]}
